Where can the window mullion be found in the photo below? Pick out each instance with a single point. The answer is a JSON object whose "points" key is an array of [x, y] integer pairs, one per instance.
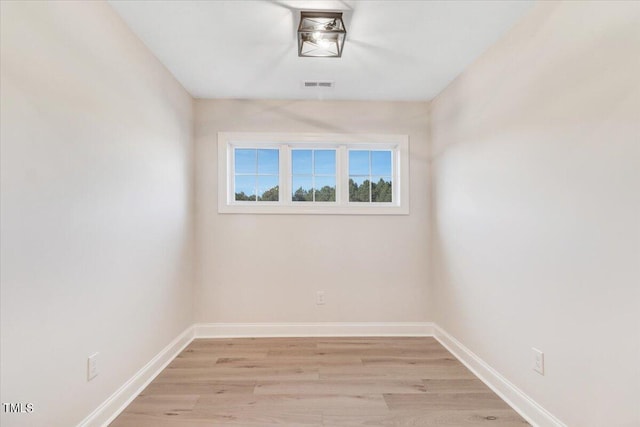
{"points": [[255, 183], [231, 186], [313, 175], [342, 180], [370, 178], [286, 174], [395, 176]]}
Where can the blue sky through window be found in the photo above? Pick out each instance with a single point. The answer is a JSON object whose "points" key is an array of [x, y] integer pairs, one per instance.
{"points": [[268, 162], [313, 162], [381, 163], [301, 162], [365, 162], [257, 161], [246, 161], [324, 162]]}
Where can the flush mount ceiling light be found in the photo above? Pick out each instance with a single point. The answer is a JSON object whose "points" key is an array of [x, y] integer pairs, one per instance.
{"points": [[321, 34]]}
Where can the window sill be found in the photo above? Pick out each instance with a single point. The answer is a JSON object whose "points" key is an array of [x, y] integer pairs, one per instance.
{"points": [[274, 209]]}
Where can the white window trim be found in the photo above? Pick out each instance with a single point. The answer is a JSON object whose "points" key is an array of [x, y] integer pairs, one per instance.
{"points": [[285, 141]]}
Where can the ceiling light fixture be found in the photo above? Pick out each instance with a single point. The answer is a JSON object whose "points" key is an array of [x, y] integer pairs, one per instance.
{"points": [[321, 34]]}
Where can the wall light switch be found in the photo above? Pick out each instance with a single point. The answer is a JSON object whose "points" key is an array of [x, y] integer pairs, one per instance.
{"points": [[92, 366], [538, 361]]}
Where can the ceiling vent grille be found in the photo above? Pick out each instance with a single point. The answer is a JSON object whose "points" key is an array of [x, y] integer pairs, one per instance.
{"points": [[323, 84]]}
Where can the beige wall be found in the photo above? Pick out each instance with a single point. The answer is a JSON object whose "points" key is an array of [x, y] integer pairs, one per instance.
{"points": [[267, 268], [537, 209], [96, 219], [535, 157]]}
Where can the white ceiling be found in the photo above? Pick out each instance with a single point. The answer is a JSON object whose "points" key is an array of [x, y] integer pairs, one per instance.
{"points": [[395, 50]]}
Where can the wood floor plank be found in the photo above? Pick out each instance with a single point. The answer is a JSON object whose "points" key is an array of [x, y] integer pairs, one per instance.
{"points": [[313, 361], [335, 387], [444, 359], [211, 387], [486, 418], [224, 373], [442, 401], [166, 404], [209, 353], [222, 419], [129, 419], [333, 351], [455, 386], [310, 403], [397, 372], [314, 382], [202, 362]]}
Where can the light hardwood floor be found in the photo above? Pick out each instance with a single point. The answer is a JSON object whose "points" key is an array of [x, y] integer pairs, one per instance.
{"points": [[317, 382]]}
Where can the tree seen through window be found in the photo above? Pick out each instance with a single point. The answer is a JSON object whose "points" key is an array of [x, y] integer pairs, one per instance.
{"points": [[370, 173]]}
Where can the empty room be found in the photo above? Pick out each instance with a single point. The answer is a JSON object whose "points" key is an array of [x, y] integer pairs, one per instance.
{"points": [[317, 213]]}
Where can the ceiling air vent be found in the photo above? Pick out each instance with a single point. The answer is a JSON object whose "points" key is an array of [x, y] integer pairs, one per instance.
{"points": [[324, 84]]}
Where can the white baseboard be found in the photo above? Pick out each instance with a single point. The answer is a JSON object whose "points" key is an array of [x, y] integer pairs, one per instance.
{"points": [[530, 410], [321, 329], [118, 401], [535, 414]]}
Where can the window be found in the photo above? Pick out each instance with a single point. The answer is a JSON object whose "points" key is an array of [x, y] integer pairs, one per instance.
{"points": [[313, 173], [256, 174], [370, 177]]}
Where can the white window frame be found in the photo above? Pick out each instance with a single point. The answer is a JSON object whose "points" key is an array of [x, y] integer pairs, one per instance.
{"points": [[398, 144]]}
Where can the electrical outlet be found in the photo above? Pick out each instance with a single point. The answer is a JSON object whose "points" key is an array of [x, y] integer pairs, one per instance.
{"points": [[538, 361], [320, 298], [92, 366]]}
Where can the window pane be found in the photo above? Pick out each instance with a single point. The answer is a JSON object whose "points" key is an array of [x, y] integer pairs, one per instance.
{"points": [[268, 161], [381, 189], [301, 162], [302, 189], [359, 189], [325, 162], [245, 187], [245, 160], [358, 162], [268, 188], [381, 163], [325, 189]]}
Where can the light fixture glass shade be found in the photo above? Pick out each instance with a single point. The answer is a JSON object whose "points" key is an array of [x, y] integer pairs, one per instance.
{"points": [[321, 34]]}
